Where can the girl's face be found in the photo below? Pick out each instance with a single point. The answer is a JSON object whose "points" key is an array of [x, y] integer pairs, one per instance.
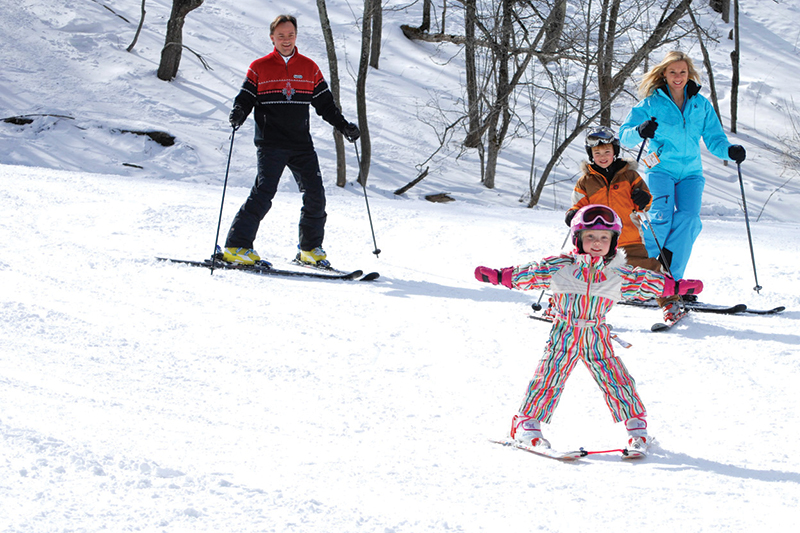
{"points": [[596, 242], [677, 75]]}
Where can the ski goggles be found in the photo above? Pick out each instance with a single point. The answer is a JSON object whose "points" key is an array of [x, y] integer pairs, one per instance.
{"points": [[600, 136], [601, 215]]}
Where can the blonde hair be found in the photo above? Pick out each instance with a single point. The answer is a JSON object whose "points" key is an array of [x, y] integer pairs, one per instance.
{"points": [[655, 76]]}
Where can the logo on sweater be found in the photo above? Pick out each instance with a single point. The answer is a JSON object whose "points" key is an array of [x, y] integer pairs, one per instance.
{"points": [[298, 76], [287, 91]]}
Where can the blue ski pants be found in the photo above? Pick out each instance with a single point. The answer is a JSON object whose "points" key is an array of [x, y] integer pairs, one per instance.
{"points": [[675, 217]]}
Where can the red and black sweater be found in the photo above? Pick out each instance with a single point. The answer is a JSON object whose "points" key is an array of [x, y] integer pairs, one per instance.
{"points": [[281, 92]]}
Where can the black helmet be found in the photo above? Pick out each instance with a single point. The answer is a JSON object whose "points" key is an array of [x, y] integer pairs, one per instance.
{"points": [[601, 135]]}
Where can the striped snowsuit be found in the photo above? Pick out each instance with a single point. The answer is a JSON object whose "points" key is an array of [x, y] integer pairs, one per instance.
{"points": [[584, 290]]}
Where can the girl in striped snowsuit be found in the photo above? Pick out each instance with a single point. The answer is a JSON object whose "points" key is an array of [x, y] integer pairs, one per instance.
{"points": [[585, 285]]}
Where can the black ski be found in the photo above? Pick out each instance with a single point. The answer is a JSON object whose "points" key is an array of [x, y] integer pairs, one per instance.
{"points": [[698, 307], [773, 311], [366, 277], [268, 271], [701, 307]]}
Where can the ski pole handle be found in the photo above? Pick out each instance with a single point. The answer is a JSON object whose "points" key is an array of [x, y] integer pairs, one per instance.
{"points": [[644, 142]]}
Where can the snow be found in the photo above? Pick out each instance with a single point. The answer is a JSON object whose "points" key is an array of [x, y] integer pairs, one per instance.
{"points": [[142, 396]]}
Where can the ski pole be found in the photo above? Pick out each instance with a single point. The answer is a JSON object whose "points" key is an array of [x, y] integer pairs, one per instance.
{"points": [[224, 187], [643, 216], [758, 287], [538, 305], [638, 157], [377, 250]]}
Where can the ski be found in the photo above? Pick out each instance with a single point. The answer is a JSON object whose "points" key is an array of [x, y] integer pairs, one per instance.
{"points": [[550, 453], [371, 276], [664, 326], [701, 307], [266, 270], [773, 311], [622, 342], [628, 455], [542, 451], [698, 307]]}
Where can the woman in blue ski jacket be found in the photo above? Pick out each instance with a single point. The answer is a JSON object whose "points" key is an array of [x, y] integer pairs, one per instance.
{"points": [[675, 116]]}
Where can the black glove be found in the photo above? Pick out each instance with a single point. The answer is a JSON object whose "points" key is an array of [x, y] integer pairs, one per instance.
{"points": [[640, 198], [350, 132], [570, 215], [237, 117], [737, 153], [647, 129]]}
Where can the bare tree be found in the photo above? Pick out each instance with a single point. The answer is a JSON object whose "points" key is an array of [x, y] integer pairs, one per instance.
{"points": [[723, 7], [577, 43], [426, 15], [333, 82], [583, 110], [735, 68], [138, 29], [361, 92], [606, 38], [173, 45], [377, 31]]}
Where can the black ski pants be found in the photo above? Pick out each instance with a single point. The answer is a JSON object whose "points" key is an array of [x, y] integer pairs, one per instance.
{"points": [[271, 163]]}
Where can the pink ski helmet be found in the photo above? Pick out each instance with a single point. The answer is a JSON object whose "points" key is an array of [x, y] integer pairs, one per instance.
{"points": [[598, 217]]}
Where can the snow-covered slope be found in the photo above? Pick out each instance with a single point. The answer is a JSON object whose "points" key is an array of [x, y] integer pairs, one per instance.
{"points": [[137, 395]]}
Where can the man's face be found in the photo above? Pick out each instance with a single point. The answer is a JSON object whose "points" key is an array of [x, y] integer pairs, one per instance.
{"points": [[284, 37]]}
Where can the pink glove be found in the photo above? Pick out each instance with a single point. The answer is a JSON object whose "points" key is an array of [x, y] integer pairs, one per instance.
{"points": [[681, 286], [495, 277]]}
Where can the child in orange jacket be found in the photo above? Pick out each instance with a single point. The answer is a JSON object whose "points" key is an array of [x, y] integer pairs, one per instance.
{"points": [[612, 181]]}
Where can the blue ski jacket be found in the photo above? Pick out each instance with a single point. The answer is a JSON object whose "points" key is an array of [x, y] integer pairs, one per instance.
{"points": [[677, 139]]}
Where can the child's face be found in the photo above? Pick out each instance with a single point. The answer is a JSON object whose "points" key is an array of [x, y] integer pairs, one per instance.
{"points": [[603, 155], [596, 242]]}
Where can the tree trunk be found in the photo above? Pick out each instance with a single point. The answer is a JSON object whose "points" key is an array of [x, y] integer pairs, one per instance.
{"points": [[377, 31], [173, 45], [605, 56], [361, 93], [473, 138], [500, 114], [138, 29], [554, 28], [723, 7], [492, 153], [333, 83], [735, 65], [426, 15]]}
